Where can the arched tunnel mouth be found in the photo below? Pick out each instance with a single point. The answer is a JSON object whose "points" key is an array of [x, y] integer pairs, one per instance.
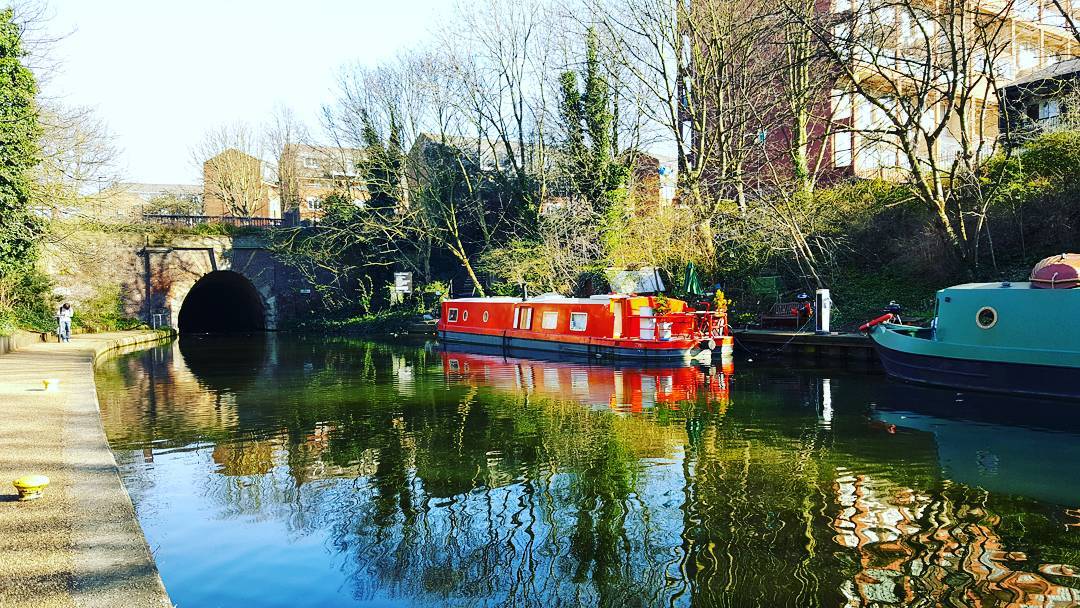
{"points": [[222, 302]]}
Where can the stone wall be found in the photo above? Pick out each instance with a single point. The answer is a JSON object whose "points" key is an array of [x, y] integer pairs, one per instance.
{"points": [[155, 275]]}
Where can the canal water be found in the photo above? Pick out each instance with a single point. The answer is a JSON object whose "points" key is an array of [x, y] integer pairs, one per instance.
{"points": [[286, 471]]}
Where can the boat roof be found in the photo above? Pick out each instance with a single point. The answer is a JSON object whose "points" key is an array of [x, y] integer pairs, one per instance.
{"points": [[491, 299], [994, 285]]}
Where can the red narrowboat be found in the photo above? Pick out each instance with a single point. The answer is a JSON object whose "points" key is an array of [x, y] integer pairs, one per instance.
{"points": [[613, 326]]}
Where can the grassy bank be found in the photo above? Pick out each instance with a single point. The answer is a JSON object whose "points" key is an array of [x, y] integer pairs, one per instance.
{"points": [[384, 323]]}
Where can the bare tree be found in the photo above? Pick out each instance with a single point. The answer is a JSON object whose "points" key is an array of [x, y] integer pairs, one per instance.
{"points": [[78, 159], [1062, 14], [284, 134], [923, 78], [235, 176]]}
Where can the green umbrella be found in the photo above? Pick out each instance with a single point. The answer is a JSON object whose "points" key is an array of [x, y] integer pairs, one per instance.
{"points": [[691, 284]]}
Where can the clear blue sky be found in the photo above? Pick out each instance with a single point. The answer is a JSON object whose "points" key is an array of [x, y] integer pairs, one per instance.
{"points": [[161, 72]]}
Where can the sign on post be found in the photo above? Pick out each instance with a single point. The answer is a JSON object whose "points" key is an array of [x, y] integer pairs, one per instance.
{"points": [[403, 282]]}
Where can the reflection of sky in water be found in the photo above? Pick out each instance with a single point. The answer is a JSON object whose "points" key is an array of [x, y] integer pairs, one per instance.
{"points": [[299, 473]]}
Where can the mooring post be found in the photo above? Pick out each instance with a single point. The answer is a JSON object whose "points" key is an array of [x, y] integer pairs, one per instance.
{"points": [[823, 309]]}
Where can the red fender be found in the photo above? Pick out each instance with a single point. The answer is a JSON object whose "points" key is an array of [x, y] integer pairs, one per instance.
{"points": [[882, 319]]}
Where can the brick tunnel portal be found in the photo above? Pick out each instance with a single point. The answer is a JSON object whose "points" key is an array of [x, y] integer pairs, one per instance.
{"points": [[222, 301]]}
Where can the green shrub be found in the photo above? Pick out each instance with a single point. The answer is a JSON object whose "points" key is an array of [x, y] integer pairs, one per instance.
{"points": [[26, 301], [393, 321], [104, 312]]}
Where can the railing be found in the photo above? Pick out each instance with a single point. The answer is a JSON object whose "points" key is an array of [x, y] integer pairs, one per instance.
{"points": [[197, 220], [697, 325], [1024, 128]]}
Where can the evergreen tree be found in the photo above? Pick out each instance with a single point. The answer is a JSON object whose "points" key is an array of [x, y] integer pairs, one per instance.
{"points": [[382, 164], [19, 151], [591, 159]]}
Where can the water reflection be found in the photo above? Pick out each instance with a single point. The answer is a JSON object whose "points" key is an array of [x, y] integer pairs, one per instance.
{"points": [[352, 473], [620, 389]]}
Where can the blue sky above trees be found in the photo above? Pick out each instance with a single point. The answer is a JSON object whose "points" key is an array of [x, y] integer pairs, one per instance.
{"points": [[161, 73]]}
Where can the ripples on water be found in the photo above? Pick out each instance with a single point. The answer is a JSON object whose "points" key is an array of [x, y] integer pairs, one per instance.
{"points": [[295, 472]]}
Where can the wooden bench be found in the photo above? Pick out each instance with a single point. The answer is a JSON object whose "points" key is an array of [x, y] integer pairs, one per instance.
{"points": [[787, 314]]}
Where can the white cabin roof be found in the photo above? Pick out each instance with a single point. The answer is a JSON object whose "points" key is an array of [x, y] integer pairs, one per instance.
{"points": [[492, 299]]}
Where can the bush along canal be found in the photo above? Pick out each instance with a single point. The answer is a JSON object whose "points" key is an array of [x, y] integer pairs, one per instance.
{"points": [[293, 471]]}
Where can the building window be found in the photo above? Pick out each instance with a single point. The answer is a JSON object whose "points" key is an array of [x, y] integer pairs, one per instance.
{"points": [[310, 163], [842, 149], [578, 321], [1004, 68], [1048, 109], [1027, 57], [841, 105], [451, 315], [551, 320], [1027, 10], [313, 202]]}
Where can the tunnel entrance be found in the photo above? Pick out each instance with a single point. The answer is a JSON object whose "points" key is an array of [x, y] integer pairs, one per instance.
{"points": [[222, 301]]}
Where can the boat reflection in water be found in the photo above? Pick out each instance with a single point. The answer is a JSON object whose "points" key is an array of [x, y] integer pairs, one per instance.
{"points": [[620, 389], [1007, 445]]}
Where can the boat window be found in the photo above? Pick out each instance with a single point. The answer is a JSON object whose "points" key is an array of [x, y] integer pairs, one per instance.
{"points": [[578, 320], [485, 316], [551, 319], [986, 317], [525, 318], [451, 315], [464, 315]]}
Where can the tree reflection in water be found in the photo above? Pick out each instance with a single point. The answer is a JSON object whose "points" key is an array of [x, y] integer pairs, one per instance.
{"points": [[461, 479]]}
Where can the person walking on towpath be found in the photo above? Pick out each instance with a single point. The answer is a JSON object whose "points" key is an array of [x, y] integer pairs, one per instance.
{"points": [[64, 320]]}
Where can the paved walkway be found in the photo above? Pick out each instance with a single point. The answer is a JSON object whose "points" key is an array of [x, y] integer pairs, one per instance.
{"points": [[80, 545]]}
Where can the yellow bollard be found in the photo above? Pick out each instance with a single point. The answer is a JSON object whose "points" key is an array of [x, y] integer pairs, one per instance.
{"points": [[30, 487]]}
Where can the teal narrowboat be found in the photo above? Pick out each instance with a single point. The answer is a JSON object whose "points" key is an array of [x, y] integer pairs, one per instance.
{"points": [[1017, 338]]}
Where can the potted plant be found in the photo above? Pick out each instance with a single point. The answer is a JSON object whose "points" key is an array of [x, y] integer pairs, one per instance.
{"points": [[661, 308], [721, 301]]}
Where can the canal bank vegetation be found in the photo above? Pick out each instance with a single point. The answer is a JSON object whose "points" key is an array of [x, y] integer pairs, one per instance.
{"points": [[556, 149], [52, 156]]}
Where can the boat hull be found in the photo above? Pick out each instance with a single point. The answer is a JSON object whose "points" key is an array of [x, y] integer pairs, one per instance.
{"points": [[977, 375], [679, 351]]}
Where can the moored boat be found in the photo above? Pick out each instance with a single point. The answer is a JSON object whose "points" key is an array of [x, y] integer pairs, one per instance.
{"points": [[613, 326], [1018, 338]]}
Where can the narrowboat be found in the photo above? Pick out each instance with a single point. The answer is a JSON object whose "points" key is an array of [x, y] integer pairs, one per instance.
{"points": [[1017, 338], [616, 326]]}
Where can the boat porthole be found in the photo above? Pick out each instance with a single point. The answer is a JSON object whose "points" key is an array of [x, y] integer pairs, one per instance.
{"points": [[465, 316], [485, 316], [986, 317]]}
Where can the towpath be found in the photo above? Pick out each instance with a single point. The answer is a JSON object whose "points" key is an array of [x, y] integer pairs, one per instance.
{"points": [[80, 545]]}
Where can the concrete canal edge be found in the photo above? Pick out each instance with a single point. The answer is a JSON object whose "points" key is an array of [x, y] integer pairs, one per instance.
{"points": [[80, 545]]}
